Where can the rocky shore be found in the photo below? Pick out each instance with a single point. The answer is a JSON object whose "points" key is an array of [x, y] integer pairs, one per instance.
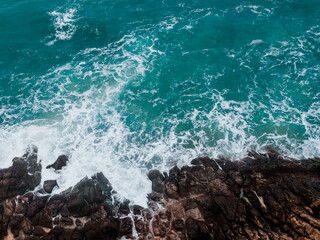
{"points": [[263, 196]]}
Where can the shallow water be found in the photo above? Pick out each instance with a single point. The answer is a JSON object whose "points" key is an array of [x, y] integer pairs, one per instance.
{"points": [[126, 86]]}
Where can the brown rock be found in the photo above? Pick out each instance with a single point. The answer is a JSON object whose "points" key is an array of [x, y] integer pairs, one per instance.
{"points": [[27, 226], [178, 224], [38, 231]]}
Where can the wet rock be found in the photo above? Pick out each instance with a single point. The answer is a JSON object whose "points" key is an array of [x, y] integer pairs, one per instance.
{"points": [[137, 209], [124, 207], [59, 163], [22, 176], [48, 185], [263, 196], [157, 180], [125, 226]]}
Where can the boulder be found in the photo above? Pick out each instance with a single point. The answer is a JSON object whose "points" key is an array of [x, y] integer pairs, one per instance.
{"points": [[48, 185], [59, 163]]}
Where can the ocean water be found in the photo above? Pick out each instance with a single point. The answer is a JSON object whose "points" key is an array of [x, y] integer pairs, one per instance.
{"points": [[125, 86]]}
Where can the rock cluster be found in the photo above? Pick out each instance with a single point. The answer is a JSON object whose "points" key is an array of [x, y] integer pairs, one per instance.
{"points": [[260, 197], [263, 196], [23, 175]]}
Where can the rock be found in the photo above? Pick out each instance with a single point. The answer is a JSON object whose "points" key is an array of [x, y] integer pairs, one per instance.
{"points": [[45, 219], [178, 224], [124, 207], [59, 163], [66, 221], [38, 231], [197, 229], [92, 231], [263, 196], [27, 226], [23, 175], [48, 185], [79, 223], [125, 226], [157, 180], [64, 212], [137, 209]]}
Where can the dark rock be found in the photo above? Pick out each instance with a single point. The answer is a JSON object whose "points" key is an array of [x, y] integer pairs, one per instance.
{"points": [[77, 234], [125, 226], [197, 229], [19, 178], [263, 196], [79, 223], [66, 234], [103, 183], [157, 180], [111, 227], [48, 185], [124, 207], [45, 219], [15, 222], [56, 232], [66, 221], [59, 163], [178, 224], [27, 226], [137, 209], [64, 212], [92, 231], [38, 231]]}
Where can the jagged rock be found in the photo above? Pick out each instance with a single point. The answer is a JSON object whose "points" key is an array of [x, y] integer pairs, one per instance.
{"points": [[263, 196], [23, 175], [59, 163]]}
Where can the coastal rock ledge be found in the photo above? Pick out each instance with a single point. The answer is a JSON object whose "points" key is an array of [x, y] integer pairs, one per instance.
{"points": [[263, 196]]}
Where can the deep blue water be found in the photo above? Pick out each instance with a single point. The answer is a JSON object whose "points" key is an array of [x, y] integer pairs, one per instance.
{"points": [[126, 86]]}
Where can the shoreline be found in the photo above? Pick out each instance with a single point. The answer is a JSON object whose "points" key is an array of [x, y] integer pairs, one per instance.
{"points": [[262, 196]]}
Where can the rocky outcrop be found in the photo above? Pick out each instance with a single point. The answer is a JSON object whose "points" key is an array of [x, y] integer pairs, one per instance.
{"points": [[263, 196], [23, 175]]}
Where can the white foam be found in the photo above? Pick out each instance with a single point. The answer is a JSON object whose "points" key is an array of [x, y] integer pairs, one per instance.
{"points": [[255, 42], [256, 9], [89, 128], [64, 25], [82, 115]]}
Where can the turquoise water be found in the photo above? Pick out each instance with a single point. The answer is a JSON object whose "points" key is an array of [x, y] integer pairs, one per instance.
{"points": [[126, 86]]}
